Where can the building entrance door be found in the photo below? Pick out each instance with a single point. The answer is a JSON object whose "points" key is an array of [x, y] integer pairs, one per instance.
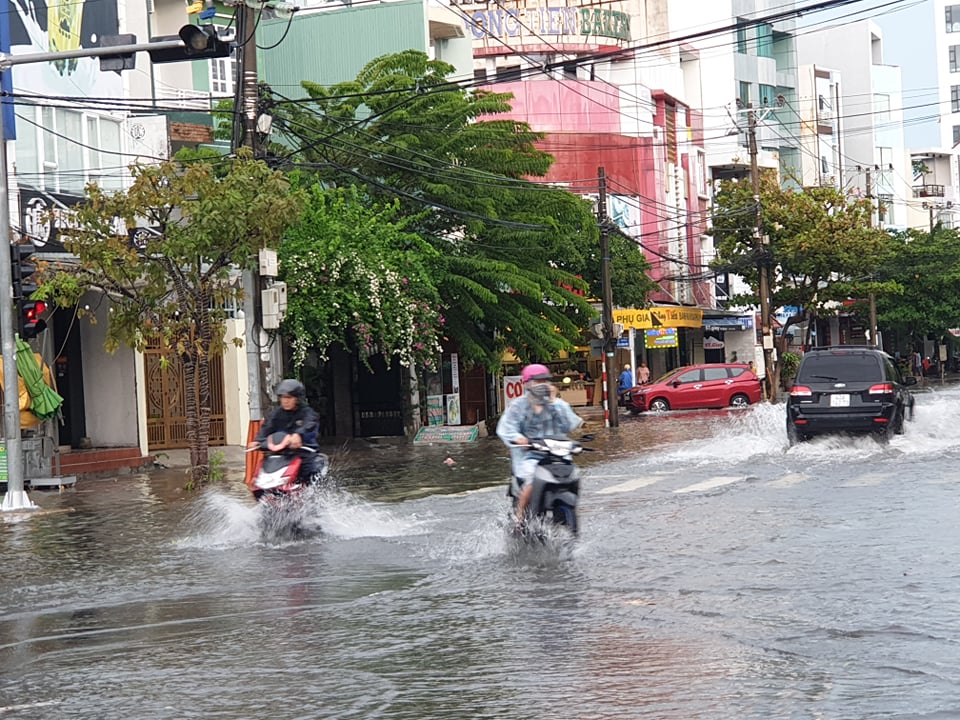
{"points": [[167, 402]]}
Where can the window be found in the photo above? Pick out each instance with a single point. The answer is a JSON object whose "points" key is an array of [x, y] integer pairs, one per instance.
{"points": [[952, 13], [714, 374], [955, 98], [765, 40], [768, 95], [741, 37], [953, 58], [223, 73], [956, 136], [881, 105], [744, 93], [480, 75], [68, 150], [509, 73], [885, 210], [824, 165]]}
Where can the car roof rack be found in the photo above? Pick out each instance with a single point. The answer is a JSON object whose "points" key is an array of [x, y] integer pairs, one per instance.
{"points": [[847, 347]]}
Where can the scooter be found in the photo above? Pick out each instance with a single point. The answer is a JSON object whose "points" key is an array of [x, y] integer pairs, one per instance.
{"points": [[556, 487], [277, 487]]}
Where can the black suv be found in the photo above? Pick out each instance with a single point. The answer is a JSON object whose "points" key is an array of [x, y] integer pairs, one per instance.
{"points": [[848, 389]]}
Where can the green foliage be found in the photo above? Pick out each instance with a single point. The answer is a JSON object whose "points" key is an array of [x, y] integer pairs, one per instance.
{"points": [[357, 277], [821, 248], [925, 268], [789, 363], [509, 257]]}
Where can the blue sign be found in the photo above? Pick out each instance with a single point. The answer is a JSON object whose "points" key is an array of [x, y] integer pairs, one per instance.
{"points": [[623, 342]]}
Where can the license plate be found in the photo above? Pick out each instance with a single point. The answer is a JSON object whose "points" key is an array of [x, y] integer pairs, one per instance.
{"points": [[840, 400]]}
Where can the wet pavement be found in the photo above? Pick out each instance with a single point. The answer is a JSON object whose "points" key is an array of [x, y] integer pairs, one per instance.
{"points": [[719, 574]]}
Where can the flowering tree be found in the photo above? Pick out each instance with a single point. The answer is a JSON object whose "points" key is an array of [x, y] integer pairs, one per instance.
{"points": [[356, 276]]}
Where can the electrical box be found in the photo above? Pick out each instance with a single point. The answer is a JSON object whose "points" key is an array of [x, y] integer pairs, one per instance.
{"points": [[281, 288], [270, 307], [268, 263]]}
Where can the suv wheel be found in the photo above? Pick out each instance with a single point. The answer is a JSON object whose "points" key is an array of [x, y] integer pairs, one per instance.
{"points": [[898, 420], [793, 436]]}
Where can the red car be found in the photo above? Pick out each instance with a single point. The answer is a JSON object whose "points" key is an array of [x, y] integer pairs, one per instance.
{"points": [[714, 385]]}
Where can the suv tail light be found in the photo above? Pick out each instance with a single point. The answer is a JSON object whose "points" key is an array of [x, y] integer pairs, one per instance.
{"points": [[881, 389], [800, 391]]}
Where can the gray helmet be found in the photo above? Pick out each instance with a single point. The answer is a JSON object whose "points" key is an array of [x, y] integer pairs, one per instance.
{"points": [[291, 387]]}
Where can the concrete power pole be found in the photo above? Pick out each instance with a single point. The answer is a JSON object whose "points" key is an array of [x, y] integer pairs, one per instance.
{"points": [[612, 410], [763, 266], [873, 296], [245, 135]]}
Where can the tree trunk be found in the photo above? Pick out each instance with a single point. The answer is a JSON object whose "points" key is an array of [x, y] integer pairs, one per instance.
{"points": [[197, 463], [203, 397]]}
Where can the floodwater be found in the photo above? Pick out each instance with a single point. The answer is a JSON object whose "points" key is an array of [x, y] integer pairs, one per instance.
{"points": [[719, 574]]}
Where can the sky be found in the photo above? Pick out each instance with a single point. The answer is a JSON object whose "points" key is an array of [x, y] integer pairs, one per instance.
{"points": [[908, 41]]}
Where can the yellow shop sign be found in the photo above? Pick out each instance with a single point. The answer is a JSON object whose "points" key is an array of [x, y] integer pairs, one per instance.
{"points": [[665, 316]]}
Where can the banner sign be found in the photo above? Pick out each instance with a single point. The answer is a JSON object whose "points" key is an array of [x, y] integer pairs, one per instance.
{"points": [[664, 316], [512, 389], [662, 338]]}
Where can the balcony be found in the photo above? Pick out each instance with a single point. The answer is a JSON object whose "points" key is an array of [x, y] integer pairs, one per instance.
{"points": [[928, 191]]}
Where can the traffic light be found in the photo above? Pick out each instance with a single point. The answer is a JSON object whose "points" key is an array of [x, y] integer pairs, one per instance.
{"points": [[29, 311], [31, 324], [199, 41]]}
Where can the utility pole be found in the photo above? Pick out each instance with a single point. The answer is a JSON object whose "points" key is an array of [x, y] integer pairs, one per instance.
{"points": [[873, 295], [763, 269], [612, 416], [245, 135]]}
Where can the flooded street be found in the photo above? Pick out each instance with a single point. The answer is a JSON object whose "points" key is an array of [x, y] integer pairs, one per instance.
{"points": [[719, 574]]}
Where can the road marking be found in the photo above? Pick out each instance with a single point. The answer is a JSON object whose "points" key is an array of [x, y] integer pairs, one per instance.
{"points": [[629, 485], [790, 479], [712, 483]]}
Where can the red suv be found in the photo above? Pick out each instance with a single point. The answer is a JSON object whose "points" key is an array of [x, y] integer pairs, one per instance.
{"points": [[697, 386]]}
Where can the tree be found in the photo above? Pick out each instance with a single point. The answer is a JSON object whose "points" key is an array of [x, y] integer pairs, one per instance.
{"points": [[206, 224], [926, 269], [357, 277], [513, 258], [820, 249]]}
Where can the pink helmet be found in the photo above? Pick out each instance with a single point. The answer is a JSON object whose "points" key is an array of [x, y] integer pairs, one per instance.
{"points": [[536, 372]]}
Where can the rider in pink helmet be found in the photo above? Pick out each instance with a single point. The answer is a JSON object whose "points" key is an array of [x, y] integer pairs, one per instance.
{"points": [[535, 372], [538, 413]]}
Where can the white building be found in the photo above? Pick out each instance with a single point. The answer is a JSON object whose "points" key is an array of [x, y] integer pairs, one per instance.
{"points": [[820, 107], [875, 160]]}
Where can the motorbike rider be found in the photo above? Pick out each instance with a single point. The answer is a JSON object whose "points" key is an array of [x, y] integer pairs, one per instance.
{"points": [[538, 413], [300, 423]]}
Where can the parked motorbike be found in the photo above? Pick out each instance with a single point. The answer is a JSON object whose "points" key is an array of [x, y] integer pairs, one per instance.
{"points": [[556, 487], [278, 488]]}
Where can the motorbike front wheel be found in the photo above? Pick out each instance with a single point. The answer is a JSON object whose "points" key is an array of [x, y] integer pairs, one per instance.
{"points": [[565, 515]]}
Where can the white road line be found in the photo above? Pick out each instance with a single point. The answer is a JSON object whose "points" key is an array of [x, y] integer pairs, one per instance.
{"points": [[712, 483], [634, 484], [790, 479]]}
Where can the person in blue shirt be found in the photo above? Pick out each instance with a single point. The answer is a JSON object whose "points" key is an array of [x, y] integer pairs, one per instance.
{"points": [[625, 382], [538, 413]]}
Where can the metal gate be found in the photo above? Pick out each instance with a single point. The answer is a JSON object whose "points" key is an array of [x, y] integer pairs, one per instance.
{"points": [[167, 402]]}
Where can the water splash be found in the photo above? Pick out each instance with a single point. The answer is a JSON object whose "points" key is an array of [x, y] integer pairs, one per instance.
{"points": [[219, 520]]}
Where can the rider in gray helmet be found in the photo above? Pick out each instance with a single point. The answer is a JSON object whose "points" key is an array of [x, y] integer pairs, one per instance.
{"points": [[300, 423]]}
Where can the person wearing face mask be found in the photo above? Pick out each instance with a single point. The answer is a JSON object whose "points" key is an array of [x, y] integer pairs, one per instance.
{"points": [[538, 413]]}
